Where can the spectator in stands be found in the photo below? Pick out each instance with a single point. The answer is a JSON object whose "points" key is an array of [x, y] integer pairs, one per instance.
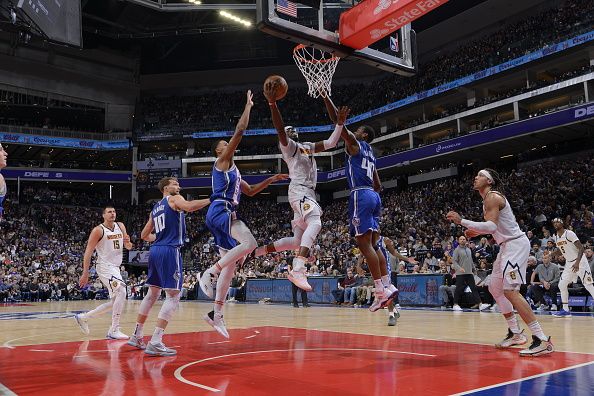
{"points": [[446, 291], [464, 267], [544, 282]]}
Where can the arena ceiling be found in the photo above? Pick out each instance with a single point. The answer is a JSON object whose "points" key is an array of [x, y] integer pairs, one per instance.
{"points": [[177, 36]]}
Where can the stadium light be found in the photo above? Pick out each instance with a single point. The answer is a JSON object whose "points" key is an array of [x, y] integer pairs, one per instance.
{"points": [[237, 19], [195, 1]]}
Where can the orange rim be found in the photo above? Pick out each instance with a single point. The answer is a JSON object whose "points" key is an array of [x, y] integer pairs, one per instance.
{"points": [[302, 59]]}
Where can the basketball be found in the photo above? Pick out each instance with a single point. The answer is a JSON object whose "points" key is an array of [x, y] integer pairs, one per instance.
{"points": [[281, 86]]}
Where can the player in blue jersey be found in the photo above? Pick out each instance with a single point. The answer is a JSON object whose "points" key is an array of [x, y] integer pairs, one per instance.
{"points": [[365, 204], [167, 220], [3, 156], [232, 237]]}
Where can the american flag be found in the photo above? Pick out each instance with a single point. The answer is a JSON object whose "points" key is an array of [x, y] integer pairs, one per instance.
{"points": [[287, 7]]}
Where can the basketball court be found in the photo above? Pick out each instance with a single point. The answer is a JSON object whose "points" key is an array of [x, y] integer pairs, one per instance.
{"points": [[276, 349], [320, 350]]}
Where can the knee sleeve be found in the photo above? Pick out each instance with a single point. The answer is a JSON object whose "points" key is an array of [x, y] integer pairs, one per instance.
{"points": [[496, 290], [169, 306], [314, 226], [149, 300], [243, 235]]}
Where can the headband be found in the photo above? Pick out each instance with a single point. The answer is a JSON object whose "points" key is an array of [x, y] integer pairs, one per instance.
{"points": [[486, 173]]}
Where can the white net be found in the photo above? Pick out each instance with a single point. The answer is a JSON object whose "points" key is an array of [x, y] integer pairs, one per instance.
{"points": [[317, 67]]}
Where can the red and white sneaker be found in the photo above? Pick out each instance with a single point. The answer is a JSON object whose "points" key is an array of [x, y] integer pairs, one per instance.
{"points": [[382, 299], [299, 279]]}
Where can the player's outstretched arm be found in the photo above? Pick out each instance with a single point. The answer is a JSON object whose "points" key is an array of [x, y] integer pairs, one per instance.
{"points": [[333, 139], [277, 118], [177, 202], [94, 239], [392, 249], [250, 190], [352, 146], [127, 242], [492, 207], [147, 232], [242, 124]]}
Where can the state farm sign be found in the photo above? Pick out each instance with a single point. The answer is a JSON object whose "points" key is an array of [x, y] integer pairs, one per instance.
{"points": [[372, 20]]}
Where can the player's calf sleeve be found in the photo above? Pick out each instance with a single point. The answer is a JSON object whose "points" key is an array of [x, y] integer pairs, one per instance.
{"points": [[289, 243], [118, 305], [314, 226]]}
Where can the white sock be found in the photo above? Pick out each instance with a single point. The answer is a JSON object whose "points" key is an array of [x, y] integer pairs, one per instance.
{"points": [[391, 311], [299, 263], [386, 280], [537, 330], [138, 330], [157, 335], [512, 323]]}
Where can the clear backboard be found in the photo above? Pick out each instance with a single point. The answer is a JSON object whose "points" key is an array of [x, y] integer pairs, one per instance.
{"points": [[395, 52]]}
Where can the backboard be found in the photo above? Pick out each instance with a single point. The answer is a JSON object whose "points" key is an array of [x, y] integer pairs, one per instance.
{"points": [[319, 28]]}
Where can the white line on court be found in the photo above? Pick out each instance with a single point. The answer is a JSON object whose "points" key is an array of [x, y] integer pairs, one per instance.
{"points": [[178, 372]]}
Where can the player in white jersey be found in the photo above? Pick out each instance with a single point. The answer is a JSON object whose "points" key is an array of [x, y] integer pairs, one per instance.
{"points": [[303, 172], [107, 240], [509, 269], [576, 264]]}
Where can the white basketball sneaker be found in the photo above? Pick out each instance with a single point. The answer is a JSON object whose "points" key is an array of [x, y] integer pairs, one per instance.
{"points": [[83, 323], [299, 279], [512, 339], [159, 349], [116, 334], [136, 342], [382, 299], [538, 347], [217, 322], [208, 282]]}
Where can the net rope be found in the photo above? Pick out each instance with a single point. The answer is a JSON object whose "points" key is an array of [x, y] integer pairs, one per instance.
{"points": [[317, 67]]}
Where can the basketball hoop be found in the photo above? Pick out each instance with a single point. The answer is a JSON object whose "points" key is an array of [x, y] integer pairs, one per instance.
{"points": [[317, 67]]}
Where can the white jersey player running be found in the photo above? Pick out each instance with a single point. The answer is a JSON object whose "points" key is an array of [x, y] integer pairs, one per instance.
{"points": [[576, 264], [107, 240], [303, 172], [509, 269]]}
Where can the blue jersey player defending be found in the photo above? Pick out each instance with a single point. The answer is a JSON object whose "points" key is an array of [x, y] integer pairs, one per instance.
{"points": [[365, 205], [167, 220], [3, 156], [233, 238]]}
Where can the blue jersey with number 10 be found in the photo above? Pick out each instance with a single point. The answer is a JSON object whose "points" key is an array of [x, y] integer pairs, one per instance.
{"points": [[360, 167], [170, 225]]}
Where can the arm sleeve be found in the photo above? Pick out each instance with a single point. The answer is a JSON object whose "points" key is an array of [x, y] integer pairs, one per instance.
{"points": [[486, 227], [333, 139]]}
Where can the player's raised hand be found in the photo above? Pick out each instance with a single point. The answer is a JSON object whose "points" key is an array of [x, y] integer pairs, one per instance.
{"points": [[454, 216], [270, 91], [343, 114], [250, 96]]}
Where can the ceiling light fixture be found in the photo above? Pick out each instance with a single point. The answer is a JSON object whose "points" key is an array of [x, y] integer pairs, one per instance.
{"points": [[237, 19]]}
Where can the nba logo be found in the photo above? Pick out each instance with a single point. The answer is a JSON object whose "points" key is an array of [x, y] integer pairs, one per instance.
{"points": [[394, 43]]}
